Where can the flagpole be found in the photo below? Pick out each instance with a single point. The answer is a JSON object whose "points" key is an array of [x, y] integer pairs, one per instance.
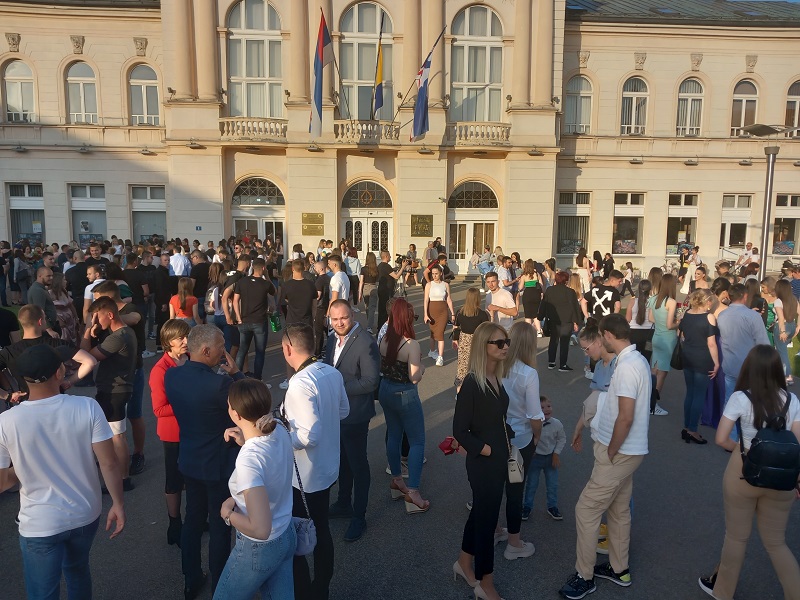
{"points": [[436, 43], [377, 61]]}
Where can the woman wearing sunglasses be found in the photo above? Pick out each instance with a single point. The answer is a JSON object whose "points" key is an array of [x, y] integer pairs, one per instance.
{"points": [[479, 425]]}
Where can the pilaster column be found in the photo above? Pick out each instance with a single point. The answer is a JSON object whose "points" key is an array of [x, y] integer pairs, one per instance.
{"points": [[298, 79], [175, 20], [434, 17], [205, 44], [412, 59], [521, 80], [545, 23]]}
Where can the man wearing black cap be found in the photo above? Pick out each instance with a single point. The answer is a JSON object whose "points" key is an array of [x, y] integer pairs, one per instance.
{"points": [[53, 440]]}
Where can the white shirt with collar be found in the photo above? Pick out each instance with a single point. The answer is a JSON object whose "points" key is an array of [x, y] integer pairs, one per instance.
{"points": [[503, 274], [314, 405], [179, 265], [341, 343], [631, 379]]}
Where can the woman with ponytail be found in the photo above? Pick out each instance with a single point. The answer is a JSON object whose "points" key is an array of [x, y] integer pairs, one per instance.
{"points": [[261, 505]]}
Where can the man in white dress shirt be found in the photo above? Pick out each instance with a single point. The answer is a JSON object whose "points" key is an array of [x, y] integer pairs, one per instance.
{"points": [[315, 403]]}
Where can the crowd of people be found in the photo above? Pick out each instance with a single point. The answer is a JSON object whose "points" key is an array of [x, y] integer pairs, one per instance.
{"points": [[234, 460]]}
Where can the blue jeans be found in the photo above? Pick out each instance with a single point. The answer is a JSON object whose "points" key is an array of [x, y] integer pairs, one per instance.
{"points": [[134, 409], [782, 349], [483, 269], [541, 462], [248, 331], [696, 389], [372, 309], [264, 567], [45, 558], [230, 332], [402, 409]]}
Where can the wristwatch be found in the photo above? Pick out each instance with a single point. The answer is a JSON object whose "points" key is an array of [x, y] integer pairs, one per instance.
{"points": [[228, 518]]}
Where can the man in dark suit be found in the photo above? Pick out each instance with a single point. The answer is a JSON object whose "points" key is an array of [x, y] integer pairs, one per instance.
{"points": [[355, 354], [199, 399]]}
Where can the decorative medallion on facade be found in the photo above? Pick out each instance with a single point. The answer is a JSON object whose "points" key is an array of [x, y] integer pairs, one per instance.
{"points": [[77, 43], [13, 41], [639, 58], [367, 194], [751, 61], [697, 59], [583, 58], [141, 45]]}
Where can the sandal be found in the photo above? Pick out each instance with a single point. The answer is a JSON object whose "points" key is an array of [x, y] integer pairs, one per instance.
{"points": [[412, 507], [398, 488]]}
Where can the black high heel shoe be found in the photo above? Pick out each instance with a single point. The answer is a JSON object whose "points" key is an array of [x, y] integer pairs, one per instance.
{"points": [[690, 438], [685, 435]]}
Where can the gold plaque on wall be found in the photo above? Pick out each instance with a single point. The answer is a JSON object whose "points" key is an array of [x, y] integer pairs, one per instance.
{"points": [[315, 230], [422, 226], [313, 218]]}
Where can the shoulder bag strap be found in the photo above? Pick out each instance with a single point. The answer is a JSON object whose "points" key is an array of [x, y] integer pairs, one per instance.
{"points": [[297, 472]]}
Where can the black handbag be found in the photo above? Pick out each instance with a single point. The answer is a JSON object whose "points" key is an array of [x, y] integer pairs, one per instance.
{"points": [[676, 362]]}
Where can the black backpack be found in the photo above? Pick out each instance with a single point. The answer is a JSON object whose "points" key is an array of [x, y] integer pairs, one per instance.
{"points": [[773, 461]]}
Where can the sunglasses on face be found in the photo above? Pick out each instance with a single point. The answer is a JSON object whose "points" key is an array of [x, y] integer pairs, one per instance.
{"points": [[500, 343], [586, 348]]}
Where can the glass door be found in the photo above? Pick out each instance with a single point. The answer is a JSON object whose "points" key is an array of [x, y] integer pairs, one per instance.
{"points": [[482, 235], [368, 234]]}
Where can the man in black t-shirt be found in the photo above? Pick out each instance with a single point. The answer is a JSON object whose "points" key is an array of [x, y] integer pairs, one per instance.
{"points": [[199, 275], [162, 292], [231, 331], [148, 269], [253, 301], [9, 327], [300, 296], [603, 300], [387, 280], [77, 280], [94, 258]]}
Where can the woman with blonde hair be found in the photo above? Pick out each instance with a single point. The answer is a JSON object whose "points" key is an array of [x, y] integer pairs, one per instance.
{"points": [[654, 277], [531, 294], [479, 425], [183, 305], [466, 322], [661, 311]]}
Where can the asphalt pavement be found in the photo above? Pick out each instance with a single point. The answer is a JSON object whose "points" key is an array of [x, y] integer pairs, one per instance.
{"points": [[677, 533]]}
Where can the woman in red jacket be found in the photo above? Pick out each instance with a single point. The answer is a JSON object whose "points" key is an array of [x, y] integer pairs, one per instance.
{"points": [[173, 340]]}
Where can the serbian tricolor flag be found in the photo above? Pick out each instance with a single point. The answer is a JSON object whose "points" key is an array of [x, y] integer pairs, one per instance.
{"points": [[322, 57], [421, 126], [377, 99]]}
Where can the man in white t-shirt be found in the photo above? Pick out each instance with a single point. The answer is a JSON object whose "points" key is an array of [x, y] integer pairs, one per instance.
{"points": [[52, 440], [500, 303], [96, 275], [619, 431], [745, 257], [340, 282]]}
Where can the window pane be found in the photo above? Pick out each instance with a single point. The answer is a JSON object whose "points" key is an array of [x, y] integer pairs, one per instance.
{"points": [[80, 69], [738, 233], [387, 61], [235, 100], [255, 58], [274, 59], [572, 234], [620, 198], [477, 21], [750, 112], [97, 191], [89, 97], [275, 100], [158, 193], [347, 20], [18, 68], [457, 105], [346, 61], [457, 60], [13, 97], [35, 190], [235, 17], [235, 58], [256, 100], [495, 105], [367, 18], [74, 93], [367, 55], [745, 88], [78, 191], [143, 72], [152, 100], [497, 29], [149, 223], [346, 103], [736, 114], [364, 102], [627, 235], [495, 65], [641, 111], [728, 201], [387, 110], [458, 23], [627, 113], [674, 199], [476, 67], [744, 201], [683, 107], [254, 14], [137, 102], [273, 19], [139, 193]]}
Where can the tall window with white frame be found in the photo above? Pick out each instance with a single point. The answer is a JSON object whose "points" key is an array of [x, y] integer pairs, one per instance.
{"points": [[358, 54], [633, 120], [578, 105], [735, 219], [18, 86], [81, 94], [681, 221], [255, 72], [476, 66], [745, 104], [26, 204], [88, 213], [793, 109], [148, 212], [143, 84], [573, 222], [786, 231], [690, 108], [628, 222]]}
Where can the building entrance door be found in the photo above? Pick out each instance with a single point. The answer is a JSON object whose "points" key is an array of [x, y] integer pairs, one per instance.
{"points": [[371, 233]]}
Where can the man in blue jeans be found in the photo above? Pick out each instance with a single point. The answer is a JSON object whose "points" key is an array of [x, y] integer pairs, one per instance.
{"points": [[53, 441], [253, 301]]}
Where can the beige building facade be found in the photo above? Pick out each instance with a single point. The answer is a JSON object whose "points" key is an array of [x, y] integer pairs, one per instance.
{"points": [[551, 126]]}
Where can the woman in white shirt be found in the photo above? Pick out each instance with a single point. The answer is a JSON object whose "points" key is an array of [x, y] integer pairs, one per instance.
{"points": [[438, 307], [760, 394], [525, 417], [260, 508]]}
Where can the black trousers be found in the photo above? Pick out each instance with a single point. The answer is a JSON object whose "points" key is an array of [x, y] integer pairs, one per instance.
{"points": [[320, 332], [487, 477], [304, 588], [515, 491], [354, 475], [162, 316], [383, 298], [561, 334], [640, 337]]}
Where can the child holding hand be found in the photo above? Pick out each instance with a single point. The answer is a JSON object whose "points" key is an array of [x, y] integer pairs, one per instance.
{"points": [[546, 458]]}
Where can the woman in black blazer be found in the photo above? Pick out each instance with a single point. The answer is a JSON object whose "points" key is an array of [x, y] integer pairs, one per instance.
{"points": [[560, 306], [479, 425]]}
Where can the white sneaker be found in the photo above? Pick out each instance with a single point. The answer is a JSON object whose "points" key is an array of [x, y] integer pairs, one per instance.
{"points": [[433, 354], [539, 334], [284, 385], [588, 374], [513, 553], [500, 536], [148, 354], [439, 361], [660, 412]]}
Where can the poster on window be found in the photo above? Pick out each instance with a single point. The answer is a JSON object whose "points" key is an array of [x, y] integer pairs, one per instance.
{"points": [[784, 248], [624, 247], [32, 237], [36, 226], [569, 246], [84, 239]]}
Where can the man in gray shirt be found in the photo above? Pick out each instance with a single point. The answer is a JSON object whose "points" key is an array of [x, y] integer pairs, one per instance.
{"points": [[38, 295], [740, 329]]}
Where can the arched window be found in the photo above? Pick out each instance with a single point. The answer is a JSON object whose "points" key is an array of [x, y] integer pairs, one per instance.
{"points": [[257, 192], [255, 73], [634, 107], [358, 55], [476, 67], [745, 102], [18, 80], [472, 194], [690, 108], [367, 194], [793, 109], [81, 94], [144, 96], [578, 105]]}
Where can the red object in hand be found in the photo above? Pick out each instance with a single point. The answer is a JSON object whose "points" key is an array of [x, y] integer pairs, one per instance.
{"points": [[448, 445]]}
